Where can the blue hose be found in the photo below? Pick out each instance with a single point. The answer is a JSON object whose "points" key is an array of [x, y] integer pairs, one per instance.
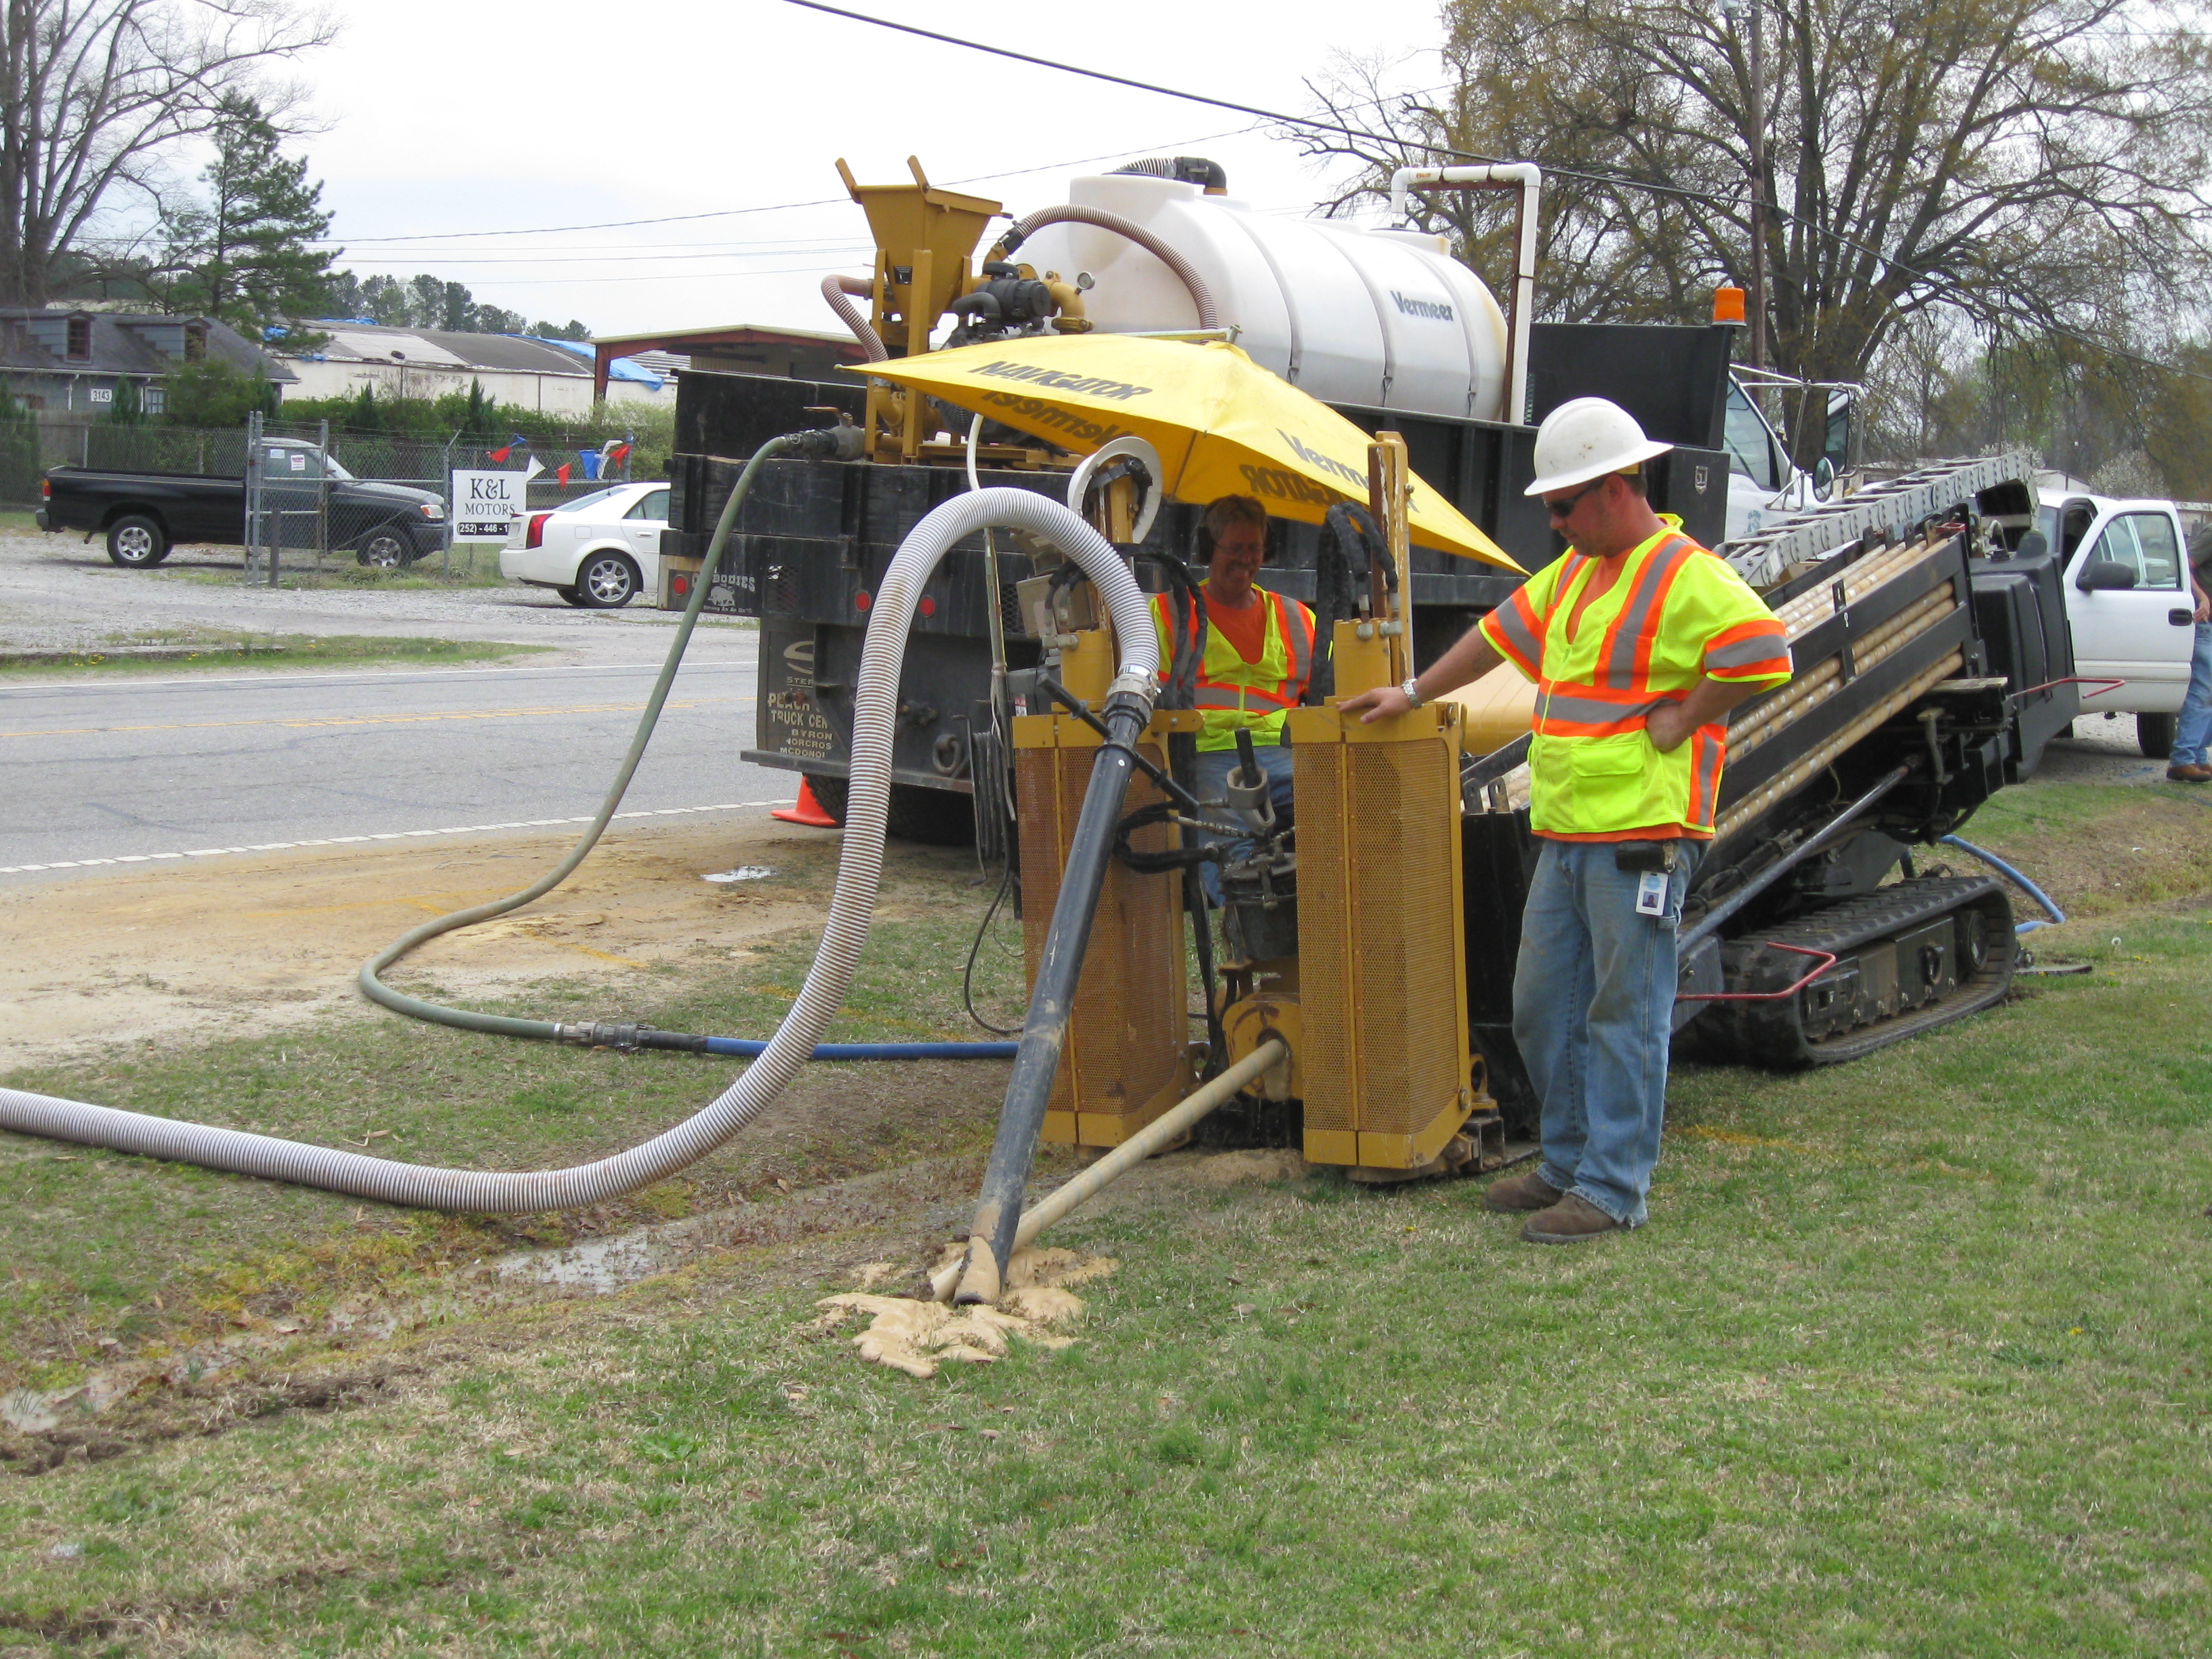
{"points": [[2034, 892], [746, 1047]]}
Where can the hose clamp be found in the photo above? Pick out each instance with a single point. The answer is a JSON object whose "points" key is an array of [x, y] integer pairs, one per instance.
{"points": [[1141, 690]]}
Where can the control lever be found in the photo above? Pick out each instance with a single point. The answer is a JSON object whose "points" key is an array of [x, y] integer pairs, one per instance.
{"points": [[1249, 796]]}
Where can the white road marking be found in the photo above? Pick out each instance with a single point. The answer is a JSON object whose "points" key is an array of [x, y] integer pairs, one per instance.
{"points": [[389, 834]]}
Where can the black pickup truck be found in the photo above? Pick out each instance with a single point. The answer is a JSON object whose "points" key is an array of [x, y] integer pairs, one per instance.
{"points": [[144, 514]]}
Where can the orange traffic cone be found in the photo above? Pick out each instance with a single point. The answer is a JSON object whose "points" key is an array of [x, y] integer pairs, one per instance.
{"points": [[807, 810]]}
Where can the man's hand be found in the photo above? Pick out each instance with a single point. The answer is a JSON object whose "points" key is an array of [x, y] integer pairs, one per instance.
{"points": [[1668, 727], [1379, 704], [2204, 612]]}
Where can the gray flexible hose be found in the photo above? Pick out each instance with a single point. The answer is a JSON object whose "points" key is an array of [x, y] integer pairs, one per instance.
{"points": [[859, 872], [1073, 214], [373, 987], [834, 289]]}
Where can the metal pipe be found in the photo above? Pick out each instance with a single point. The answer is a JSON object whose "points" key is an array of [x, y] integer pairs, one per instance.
{"points": [[1528, 178], [1160, 1133], [1759, 883], [1052, 998]]}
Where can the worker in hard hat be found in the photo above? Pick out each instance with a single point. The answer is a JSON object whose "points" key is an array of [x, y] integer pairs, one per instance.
{"points": [[1257, 659], [1640, 642]]}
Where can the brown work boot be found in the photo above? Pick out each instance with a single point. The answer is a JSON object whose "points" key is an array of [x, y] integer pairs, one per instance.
{"points": [[1571, 1220], [2185, 772], [1521, 1194]]}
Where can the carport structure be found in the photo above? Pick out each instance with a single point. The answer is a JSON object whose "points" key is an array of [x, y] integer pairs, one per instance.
{"points": [[799, 354]]}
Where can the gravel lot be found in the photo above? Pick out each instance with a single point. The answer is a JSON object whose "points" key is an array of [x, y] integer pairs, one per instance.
{"points": [[57, 593]]}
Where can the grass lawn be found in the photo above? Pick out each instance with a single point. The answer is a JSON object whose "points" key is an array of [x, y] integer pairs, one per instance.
{"points": [[167, 650], [1912, 1361]]}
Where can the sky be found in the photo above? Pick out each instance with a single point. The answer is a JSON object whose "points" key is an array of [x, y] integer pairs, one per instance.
{"points": [[454, 134]]}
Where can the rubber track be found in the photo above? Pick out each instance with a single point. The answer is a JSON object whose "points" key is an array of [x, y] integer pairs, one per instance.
{"points": [[1771, 1038]]}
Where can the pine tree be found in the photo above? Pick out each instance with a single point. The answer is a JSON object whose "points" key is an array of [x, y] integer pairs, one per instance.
{"points": [[246, 255]]}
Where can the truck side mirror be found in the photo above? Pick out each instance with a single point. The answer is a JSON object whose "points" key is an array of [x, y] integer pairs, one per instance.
{"points": [[2104, 573], [2033, 545], [1824, 479]]}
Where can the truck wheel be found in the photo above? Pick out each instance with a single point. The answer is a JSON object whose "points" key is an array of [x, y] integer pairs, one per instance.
{"points": [[607, 581], [383, 550], [2155, 735], [137, 541], [830, 795]]}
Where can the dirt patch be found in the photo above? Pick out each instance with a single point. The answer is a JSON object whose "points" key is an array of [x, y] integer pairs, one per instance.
{"points": [[250, 944]]}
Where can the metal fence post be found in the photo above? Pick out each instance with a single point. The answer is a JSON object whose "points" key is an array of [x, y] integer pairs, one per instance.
{"points": [[322, 494], [253, 489]]}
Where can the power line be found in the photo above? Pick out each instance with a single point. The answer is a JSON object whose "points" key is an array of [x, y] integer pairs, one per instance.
{"points": [[1616, 181]]}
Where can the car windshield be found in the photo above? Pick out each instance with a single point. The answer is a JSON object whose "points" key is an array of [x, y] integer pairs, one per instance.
{"points": [[597, 498]]}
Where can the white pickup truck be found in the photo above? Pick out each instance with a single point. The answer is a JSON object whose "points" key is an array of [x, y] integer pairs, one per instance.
{"points": [[2129, 605]]}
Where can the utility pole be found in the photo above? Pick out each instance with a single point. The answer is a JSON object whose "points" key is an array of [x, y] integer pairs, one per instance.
{"points": [[1755, 114]]}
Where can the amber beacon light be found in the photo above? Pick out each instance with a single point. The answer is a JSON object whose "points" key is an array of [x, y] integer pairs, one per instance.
{"points": [[1727, 305]]}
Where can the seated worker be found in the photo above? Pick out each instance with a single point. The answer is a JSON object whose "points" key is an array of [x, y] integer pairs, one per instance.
{"points": [[1258, 659]]}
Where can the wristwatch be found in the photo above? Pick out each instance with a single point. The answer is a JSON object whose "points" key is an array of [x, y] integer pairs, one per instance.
{"points": [[1412, 688]]}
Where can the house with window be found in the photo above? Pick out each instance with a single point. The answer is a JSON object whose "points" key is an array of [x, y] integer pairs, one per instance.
{"points": [[554, 376], [67, 365]]}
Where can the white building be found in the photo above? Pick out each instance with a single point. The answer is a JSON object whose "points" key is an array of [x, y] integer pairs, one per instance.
{"points": [[556, 376]]}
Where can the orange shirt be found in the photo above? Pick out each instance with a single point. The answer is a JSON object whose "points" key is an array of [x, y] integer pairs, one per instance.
{"points": [[1246, 630]]}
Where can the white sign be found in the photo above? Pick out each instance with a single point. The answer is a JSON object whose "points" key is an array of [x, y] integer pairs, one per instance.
{"points": [[484, 502]]}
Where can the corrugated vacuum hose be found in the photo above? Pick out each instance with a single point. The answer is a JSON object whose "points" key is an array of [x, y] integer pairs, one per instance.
{"points": [[859, 870]]}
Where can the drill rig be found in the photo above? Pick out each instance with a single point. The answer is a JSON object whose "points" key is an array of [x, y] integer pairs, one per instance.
{"points": [[1374, 937]]}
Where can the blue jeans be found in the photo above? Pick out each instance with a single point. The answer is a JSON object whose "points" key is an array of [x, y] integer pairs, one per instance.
{"points": [[2194, 727], [1593, 1010], [1214, 766]]}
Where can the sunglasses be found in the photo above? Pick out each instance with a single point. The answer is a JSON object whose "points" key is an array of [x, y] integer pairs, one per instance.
{"points": [[1564, 509]]}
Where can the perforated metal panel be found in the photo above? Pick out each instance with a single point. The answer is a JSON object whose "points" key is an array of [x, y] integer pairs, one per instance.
{"points": [[1385, 1050], [1127, 1039]]}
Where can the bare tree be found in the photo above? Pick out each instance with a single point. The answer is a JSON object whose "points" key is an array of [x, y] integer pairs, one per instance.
{"points": [[2030, 167], [93, 92]]}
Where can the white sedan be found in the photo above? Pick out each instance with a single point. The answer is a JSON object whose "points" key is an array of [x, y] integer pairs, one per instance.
{"points": [[598, 551]]}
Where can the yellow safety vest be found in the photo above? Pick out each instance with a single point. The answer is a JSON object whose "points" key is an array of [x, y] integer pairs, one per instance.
{"points": [[1676, 613], [1234, 693]]}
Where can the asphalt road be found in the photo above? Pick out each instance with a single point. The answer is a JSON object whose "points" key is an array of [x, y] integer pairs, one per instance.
{"points": [[111, 774]]}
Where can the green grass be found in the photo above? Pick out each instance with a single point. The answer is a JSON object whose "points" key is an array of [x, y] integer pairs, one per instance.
{"points": [[1911, 1361], [167, 650], [99, 1246]]}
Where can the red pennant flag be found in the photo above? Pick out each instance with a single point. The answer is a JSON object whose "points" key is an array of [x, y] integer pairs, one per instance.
{"points": [[501, 455], [562, 473], [619, 453]]}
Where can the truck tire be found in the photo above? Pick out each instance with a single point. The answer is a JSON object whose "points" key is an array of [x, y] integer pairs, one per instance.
{"points": [[935, 817], [607, 581], [137, 541], [384, 549], [2155, 735]]}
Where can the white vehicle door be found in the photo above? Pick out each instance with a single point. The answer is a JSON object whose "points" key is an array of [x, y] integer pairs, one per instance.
{"points": [[643, 524], [2143, 634]]}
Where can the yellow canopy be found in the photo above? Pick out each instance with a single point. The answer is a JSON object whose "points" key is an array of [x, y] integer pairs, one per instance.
{"points": [[1222, 424]]}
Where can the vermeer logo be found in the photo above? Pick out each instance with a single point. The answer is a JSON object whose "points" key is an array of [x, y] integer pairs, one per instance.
{"points": [[1035, 412], [1434, 310], [1321, 462], [1055, 379]]}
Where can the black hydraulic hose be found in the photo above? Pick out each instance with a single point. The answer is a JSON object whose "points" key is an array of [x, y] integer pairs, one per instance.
{"points": [[1052, 1001]]}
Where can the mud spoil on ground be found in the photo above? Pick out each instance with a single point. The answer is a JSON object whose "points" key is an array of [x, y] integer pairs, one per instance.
{"points": [[227, 945]]}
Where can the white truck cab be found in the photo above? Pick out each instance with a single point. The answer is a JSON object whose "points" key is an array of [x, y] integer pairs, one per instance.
{"points": [[1765, 489], [2129, 605]]}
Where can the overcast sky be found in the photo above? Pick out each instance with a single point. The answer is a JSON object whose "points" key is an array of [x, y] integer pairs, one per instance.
{"points": [[463, 115]]}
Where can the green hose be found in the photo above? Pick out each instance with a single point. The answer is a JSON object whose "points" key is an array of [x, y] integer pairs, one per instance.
{"points": [[545, 1031]]}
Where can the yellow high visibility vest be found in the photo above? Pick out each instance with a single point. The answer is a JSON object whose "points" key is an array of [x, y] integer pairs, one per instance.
{"points": [[1676, 613], [1233, 693]]}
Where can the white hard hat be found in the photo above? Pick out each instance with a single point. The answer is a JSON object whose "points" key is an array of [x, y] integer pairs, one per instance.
{"points": [[1587, 438]]}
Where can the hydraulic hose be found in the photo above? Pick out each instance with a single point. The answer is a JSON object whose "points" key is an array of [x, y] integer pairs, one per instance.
{"points": [[1071, 214], [2026, 886], [834, 289], [860, 871]]}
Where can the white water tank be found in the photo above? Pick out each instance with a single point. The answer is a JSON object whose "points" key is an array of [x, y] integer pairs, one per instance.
{"points": [[1383, 318]]}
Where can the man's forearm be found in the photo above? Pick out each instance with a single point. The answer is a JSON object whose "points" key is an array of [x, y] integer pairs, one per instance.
{"points": [[1470, 657]]}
